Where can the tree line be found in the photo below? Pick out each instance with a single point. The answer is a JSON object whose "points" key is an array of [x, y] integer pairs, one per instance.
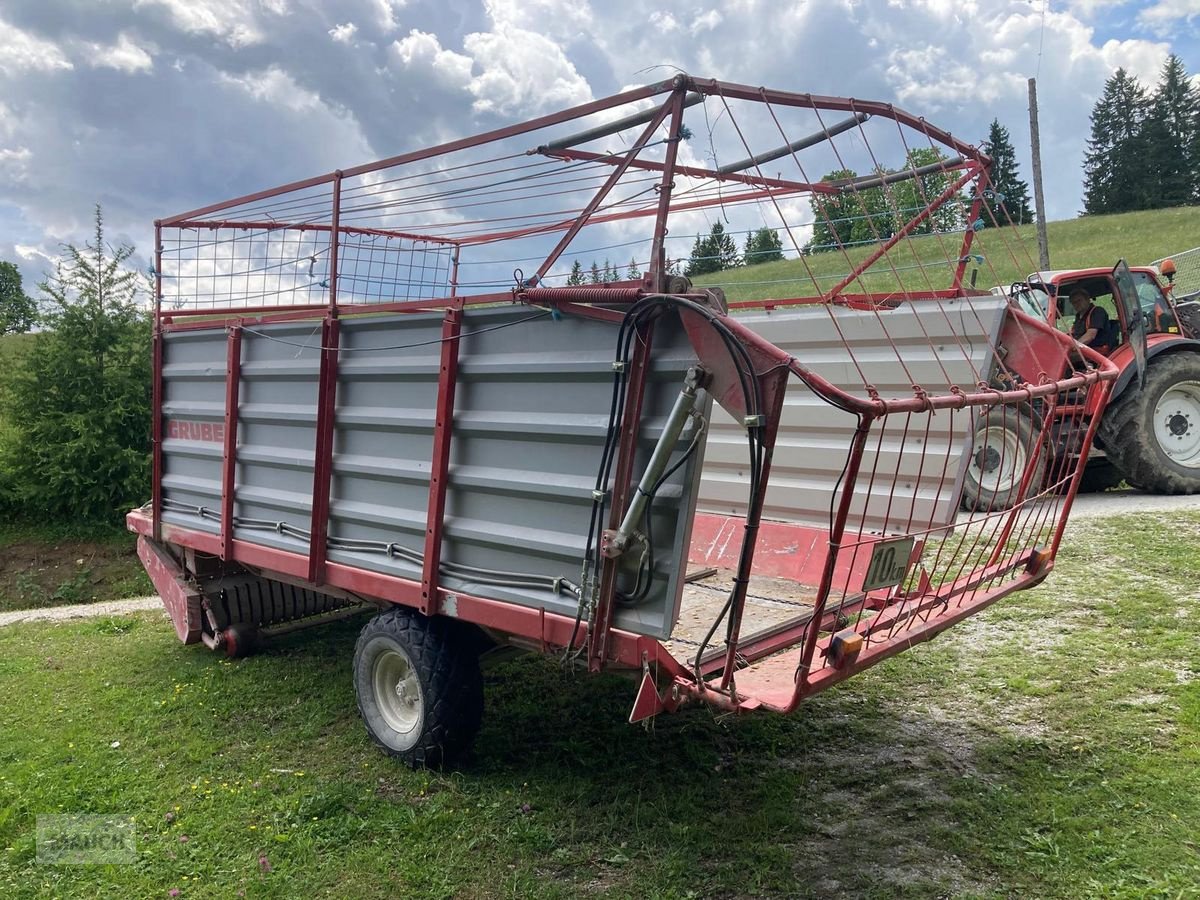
{"points": [[1144, 147]]}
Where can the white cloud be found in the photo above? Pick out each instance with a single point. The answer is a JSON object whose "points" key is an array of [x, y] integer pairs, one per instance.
{"points": [[124, 56], [22, 52], [343, 34], [422, 51], [1163, 15], [553, 18], [234, 21], [501, 81], [706, 22], [385, 13], [538, 78]]}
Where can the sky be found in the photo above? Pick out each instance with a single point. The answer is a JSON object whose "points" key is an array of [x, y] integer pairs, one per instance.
{"points": [[153, 107]]}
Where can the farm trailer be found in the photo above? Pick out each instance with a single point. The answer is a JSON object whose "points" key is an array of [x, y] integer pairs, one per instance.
{"points": [[361, 399]]}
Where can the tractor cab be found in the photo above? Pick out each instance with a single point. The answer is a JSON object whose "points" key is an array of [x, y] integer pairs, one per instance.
{"points": [[1146, 305]]}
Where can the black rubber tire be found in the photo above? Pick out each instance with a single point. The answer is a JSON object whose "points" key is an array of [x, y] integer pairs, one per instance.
{"points": [[1017, 425], [1099, 475], [1128, 428], [445, 664]]}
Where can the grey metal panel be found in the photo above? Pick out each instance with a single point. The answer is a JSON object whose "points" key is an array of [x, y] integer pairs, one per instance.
{"points": [[919, 460], [193, 395], [531, 417]]}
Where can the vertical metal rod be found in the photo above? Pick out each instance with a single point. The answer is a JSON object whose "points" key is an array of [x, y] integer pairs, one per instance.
{"points": [[457, 252], [156, 392], [323, 448], [334, 242], [233, 375], [443, 427], [836, 531], [631, 421], [658, 263], [968, 235]]}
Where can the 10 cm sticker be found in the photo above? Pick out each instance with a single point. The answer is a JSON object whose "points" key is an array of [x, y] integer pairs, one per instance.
{"points": [[889, 563]]}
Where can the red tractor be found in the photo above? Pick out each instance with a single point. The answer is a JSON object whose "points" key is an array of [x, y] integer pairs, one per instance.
{"points": [[1149, 435]]}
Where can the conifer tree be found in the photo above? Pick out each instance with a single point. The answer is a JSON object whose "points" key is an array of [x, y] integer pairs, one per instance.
{"points": [[1010, 195], [1114, 166]]}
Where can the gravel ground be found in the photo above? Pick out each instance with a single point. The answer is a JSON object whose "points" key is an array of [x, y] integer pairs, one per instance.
{"points": [[1087, 506]]}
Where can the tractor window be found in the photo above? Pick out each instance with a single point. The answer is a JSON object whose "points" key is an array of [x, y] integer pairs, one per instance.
{"points": [[1102, 296], [1156, 312]]}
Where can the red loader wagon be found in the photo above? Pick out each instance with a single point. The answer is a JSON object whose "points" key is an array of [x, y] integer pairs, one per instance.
{"points": [[386, 388]]}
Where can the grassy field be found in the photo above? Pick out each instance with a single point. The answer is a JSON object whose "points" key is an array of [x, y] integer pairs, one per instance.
{"points": [[1137, 237], [1047, 748]]}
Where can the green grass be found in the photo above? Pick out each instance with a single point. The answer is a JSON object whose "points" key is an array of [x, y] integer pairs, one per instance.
{"points": [[1137, 237], [1045, 748]]}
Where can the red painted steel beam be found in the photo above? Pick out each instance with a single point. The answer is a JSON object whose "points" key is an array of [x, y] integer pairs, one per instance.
{"points": [[657, 274], [575, 112], [901, 233], [696, 172], [233, 375], [323, 450], [268, 225], [181, 599], [443, 429], [334, 243], [731, 90]]}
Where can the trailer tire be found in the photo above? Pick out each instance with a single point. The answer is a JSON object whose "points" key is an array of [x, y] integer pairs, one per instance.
{"points": [[1153, 434], [419, 687], [1003, 444]]}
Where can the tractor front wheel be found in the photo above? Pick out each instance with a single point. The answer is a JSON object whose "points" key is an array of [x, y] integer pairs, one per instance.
{"points": [[1153, 435], [1006, 443], [419, 688]]}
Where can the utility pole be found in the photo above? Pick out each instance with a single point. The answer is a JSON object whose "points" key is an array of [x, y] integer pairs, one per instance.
{"points": [[1039, 201]]}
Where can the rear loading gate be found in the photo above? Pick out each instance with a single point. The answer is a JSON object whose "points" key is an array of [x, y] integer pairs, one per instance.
{"points": [[742, 509]]}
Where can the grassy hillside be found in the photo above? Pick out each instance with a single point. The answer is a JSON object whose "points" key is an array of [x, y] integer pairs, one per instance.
{"points": [[1137, 237], [13, 347]]}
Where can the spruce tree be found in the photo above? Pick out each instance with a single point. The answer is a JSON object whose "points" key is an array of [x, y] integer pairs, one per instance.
{"points": [[1169, 136], [77, 412], [762, 246], [17, 310], [576, 276], [1010, 195], [1115, 175]]}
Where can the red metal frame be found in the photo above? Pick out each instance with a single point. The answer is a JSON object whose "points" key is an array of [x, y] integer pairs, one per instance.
{"points": [[323, 461], [439, 470], [233, 378]]}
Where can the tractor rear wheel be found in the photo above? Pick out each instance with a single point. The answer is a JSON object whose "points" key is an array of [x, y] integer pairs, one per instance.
{"points": [[419, 688], [1153, 435], [1006, 443]]}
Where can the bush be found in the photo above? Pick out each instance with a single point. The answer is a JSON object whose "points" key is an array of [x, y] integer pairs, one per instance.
{"points": [[75, 445]]}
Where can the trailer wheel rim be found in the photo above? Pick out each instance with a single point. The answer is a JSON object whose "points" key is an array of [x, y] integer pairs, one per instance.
{"points": [[397, 691], [1177, 423], [998, 460]]}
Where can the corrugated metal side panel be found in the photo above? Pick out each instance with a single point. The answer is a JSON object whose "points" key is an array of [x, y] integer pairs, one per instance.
{"points": [[277, 430], [193, 410], [531, 415], [919, 460]]}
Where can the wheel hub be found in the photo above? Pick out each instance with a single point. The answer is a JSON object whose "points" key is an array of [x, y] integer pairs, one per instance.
{"points": [[1177, 423], [987, 459], [397, 690]]}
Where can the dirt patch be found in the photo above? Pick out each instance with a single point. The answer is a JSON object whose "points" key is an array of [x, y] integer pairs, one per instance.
{"points": [[35, 575]]}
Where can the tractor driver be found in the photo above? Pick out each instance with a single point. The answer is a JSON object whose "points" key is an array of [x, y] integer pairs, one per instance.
{"points": [[1091, 321]]}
